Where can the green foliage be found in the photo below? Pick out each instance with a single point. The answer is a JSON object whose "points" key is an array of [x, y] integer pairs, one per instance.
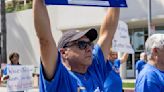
{"points": [[28, 6], [15, 6], [128, 85]]}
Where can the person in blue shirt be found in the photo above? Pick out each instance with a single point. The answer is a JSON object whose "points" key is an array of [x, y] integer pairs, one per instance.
{"points": [[113, 82], [75, 65], [140, 63], [151, 78]]}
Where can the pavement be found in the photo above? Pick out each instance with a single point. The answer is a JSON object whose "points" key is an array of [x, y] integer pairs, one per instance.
{"points": [[4, 89], [128, 80], [128, 89]]}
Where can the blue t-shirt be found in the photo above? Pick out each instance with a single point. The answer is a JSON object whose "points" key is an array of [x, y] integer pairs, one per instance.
{"points": [[67, 81], [139, 66], [150, 79], [113, 82]]}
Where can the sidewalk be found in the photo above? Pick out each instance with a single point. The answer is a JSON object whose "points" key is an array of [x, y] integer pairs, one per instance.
{"points": [[128, 80], [4, 89], [129, 89]]}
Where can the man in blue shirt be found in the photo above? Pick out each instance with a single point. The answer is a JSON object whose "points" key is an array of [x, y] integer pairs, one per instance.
{"points": [[140, 63], [151, 78], [75, 65], [113, 82]]}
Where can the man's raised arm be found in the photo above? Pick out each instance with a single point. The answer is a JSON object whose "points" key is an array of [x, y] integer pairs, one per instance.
{"points": [[124, 58], [47, 44], [108, 29]]}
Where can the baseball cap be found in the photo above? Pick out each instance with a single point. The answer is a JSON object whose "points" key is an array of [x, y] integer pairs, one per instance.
{"points": [[73, 35]]}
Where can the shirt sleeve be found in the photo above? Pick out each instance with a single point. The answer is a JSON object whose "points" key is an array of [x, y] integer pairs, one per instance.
{"points": [[148, 86], [49, 85], [148, 81], [139, 65]]}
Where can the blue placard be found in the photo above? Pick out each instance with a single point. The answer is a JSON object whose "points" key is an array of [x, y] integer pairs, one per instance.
{"points": [[101, 3]]}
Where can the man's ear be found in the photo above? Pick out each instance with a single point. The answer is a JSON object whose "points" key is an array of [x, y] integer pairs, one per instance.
{"points": [[63, 53], [155, 51], [62, 50]]}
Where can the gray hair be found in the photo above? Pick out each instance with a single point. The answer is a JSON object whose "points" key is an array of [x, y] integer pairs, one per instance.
{"points": [[154, 41]]}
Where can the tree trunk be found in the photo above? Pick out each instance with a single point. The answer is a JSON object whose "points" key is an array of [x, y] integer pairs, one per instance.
{"points": [[3, 33]]}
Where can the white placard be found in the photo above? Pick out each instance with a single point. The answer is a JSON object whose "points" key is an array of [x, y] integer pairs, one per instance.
{"points": [[3, 65], [121, 40], [20, 77]]}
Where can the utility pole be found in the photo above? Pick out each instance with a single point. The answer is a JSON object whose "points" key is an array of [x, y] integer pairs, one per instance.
{"points": [[149, 18], [3, 33]]}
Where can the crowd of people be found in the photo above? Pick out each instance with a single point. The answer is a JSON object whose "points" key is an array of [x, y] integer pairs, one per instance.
{"points": [[76, 64]]}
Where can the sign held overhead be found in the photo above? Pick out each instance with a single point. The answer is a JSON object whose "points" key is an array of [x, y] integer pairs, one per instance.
{"points": [[99, 3]]}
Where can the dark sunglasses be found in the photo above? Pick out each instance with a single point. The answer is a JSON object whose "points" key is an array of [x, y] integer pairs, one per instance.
{"points": [[80, 44]]}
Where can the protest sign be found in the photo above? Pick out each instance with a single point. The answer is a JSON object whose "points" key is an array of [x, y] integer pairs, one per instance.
{"points": [[121, 40], [3, 65], [20, 77], [101, 3]]}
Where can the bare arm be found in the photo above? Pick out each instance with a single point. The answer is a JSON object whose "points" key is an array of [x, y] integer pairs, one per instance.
{"points": [[124, 58], [47, 44], [108, 29]]}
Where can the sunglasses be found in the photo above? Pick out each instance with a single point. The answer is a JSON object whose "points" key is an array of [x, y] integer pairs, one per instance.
{"points": [[80, 44]]}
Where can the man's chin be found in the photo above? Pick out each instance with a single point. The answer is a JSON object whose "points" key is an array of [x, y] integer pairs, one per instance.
{"points": [[89, 63]]}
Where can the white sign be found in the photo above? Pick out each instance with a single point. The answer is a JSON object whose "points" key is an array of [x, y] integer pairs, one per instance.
{"points": [[3, 65], [121, 40], [20, 77]]}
